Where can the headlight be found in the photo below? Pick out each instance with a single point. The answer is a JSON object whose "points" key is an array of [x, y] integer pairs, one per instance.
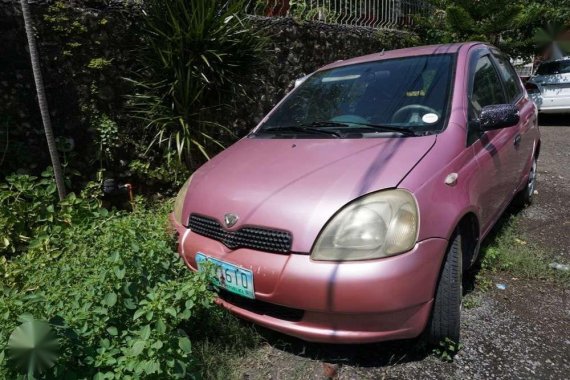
{"points": [[179, 202], [378, 225]]}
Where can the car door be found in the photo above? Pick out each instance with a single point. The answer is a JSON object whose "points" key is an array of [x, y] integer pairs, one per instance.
{"points": [[494, 150], [524, 141]]}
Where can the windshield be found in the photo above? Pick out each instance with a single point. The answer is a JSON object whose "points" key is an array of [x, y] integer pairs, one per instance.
{"points": [[409, 94], [555, 67]]}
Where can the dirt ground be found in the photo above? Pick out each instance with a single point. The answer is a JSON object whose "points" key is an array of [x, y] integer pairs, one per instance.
{"points": [[522, 332]]}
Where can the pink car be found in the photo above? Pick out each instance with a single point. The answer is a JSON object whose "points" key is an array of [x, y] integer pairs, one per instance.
{"points": [[351, 211]]}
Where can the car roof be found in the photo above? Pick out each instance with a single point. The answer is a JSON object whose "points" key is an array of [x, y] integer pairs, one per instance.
{"points": [[406, 52]]}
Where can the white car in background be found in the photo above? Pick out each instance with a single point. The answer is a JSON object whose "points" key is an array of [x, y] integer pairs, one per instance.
{"points": [[549, 87]]}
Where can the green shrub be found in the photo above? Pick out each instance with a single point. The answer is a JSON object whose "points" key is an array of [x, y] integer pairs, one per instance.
{"points": [[118, 296], [30, 212], [196, 53]]}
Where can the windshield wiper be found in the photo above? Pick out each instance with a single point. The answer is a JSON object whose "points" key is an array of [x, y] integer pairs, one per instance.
{"points": [[387, 128], [304, 128]]}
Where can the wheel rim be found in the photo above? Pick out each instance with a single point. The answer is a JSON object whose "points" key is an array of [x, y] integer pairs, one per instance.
{"points": [[532, 179]]}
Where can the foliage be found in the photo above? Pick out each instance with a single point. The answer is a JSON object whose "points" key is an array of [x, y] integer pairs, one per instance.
{"points": [[156, 173], [120, 300], [447, 349], [508, 251], [84, 54], [30, 213], [539, 24], [471, 301], [107, 137], [303, 10], [196, 54], [510, 25]]}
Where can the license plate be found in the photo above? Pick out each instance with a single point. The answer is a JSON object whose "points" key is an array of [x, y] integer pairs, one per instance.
{"points": [[229, 276]]}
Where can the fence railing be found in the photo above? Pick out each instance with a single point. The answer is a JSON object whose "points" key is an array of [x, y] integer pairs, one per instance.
{"points": [[366, 13]]}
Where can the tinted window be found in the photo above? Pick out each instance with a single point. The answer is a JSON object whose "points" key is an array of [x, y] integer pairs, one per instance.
{"points": [[394, 92], [510, 78], [552, 68], [487, 88]]}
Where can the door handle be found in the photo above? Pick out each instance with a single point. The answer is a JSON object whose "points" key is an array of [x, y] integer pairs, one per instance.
{"points": [[518, 139]]}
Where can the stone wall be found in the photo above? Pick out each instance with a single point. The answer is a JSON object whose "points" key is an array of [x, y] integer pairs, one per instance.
{"points": [[87, 50], [84, 54], [299, 48]]}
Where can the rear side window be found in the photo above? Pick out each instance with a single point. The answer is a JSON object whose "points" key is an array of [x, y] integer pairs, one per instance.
{"points": [[553, 68], [487, 88], [510, 78]]}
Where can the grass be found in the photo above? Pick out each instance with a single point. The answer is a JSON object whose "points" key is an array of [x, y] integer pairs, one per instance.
{"points": [[507, 250], [221, 344]]}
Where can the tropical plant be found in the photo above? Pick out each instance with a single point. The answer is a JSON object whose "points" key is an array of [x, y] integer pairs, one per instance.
{"points": [[196, 54]]}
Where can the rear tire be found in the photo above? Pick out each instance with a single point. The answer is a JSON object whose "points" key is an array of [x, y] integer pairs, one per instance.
{"points": [[446, 315]]}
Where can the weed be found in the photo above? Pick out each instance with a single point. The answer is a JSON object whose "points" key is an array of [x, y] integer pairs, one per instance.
{"points": [[510, 252], [447, 349], [471, 301]]}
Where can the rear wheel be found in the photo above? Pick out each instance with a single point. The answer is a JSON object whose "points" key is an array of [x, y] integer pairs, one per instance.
{"points": [[445, 319]]}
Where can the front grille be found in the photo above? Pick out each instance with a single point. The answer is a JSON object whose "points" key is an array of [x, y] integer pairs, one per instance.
{"points": [[262, 307], [262, 239]]}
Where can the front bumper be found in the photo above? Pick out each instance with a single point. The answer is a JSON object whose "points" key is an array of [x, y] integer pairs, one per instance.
{"points": [[351, 302]]}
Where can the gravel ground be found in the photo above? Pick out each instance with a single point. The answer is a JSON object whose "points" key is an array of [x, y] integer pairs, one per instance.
{"points": [[522, 332], [548, 221]]}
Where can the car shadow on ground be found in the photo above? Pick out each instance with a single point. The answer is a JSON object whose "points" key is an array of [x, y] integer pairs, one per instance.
{"points": [[359, 355], [554, 120]]}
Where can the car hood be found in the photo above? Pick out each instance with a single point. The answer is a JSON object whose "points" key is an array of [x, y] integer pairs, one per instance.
{"points": [[298, 184]]}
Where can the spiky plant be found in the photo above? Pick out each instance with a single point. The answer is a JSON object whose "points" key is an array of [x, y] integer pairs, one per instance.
{"points": [[196, 54]]}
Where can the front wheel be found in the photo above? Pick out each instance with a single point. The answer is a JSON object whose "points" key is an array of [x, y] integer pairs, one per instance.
{"points": [[446, 315], [526, 195]]}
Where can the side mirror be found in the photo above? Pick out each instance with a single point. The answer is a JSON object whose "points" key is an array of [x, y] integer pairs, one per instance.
{"points": [[498, 116]]}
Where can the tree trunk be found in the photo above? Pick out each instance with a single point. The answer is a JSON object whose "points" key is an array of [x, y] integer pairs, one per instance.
{"points": [[42, 102]]}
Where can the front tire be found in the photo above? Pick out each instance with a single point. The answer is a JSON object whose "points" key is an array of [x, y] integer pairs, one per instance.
{"points": [[526, 195], [446, 315]]}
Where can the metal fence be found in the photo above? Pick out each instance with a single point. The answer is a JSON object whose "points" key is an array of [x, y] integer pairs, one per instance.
{"points": [[367, 13]]}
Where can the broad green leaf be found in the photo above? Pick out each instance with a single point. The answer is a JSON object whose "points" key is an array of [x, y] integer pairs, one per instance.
{"points": [[138, 347], [120, 273], [160, 326], [171, 311], [112, 330], [138, 314], [145, 332], [110, 299], [185, 344]]}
